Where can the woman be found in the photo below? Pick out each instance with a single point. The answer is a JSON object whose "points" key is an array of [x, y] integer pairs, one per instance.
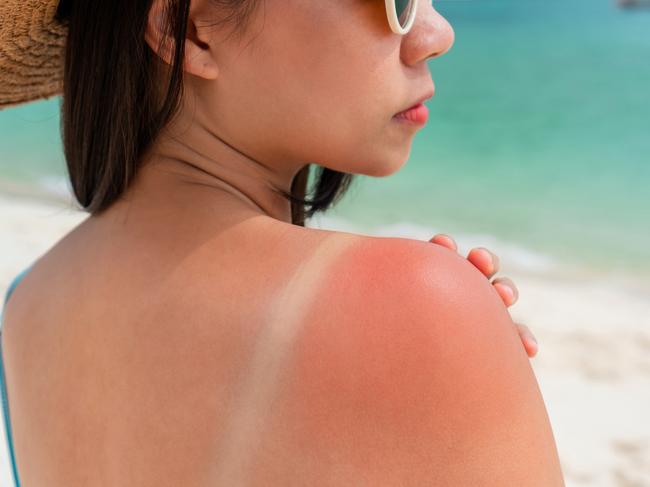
{"points": [[192, 331]]}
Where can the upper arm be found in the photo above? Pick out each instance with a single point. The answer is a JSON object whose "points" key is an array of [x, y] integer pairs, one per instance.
{"points": [[409, 371]]}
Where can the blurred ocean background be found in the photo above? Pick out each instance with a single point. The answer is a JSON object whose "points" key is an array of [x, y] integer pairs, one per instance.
{"points": [[538, 142], [538, 136], [538, 148]]}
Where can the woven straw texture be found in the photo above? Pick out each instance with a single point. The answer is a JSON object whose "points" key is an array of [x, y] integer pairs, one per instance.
{"points": [[32, 46]]}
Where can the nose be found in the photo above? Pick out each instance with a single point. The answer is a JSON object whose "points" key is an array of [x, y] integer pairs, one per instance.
{"points": [[430, 36]]}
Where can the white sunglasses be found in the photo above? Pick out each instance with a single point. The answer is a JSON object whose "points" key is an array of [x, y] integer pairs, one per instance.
{"points": [[401, 14]]}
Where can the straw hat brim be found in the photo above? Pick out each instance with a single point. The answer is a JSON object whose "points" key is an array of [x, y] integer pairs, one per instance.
{"points": [[32, 44]]}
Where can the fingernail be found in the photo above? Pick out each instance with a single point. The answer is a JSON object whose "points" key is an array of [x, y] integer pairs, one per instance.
{"points": [[509, 291]]}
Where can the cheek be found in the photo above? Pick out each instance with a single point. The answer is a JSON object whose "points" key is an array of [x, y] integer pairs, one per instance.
{"points": [[332, 58], [341, 114], [341, 105], [333, 85]]}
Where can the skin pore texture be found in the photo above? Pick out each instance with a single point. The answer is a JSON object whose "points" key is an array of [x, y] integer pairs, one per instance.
{"points": [[195, 337]]}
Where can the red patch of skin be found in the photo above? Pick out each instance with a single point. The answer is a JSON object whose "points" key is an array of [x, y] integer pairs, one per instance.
{"points": [[373, 394], [350, 378]]}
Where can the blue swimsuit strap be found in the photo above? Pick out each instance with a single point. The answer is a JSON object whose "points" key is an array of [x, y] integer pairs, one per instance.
{"points": [[5, 402], [14, 283]]}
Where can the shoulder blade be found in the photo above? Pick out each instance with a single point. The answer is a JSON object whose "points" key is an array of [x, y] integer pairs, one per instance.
{"points": [[410, 372]]}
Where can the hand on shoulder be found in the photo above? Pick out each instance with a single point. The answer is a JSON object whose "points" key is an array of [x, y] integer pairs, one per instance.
{"points": [[409, 370]]}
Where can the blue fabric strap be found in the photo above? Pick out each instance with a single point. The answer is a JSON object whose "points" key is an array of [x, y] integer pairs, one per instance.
{"points": [[3, 391], [14, 283]]}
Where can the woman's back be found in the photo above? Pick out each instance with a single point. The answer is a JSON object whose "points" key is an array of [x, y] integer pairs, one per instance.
{"points": [[247, 362], [117, 352]]}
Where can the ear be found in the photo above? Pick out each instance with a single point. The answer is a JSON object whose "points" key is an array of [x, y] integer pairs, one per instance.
{"points": [[198, 59]]}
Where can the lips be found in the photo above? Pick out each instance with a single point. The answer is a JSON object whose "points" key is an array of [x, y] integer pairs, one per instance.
{"points": [[420, 100], [417, 114]]}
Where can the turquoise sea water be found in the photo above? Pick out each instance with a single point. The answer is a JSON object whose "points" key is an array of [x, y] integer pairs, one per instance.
{"points": [[539, 135]]}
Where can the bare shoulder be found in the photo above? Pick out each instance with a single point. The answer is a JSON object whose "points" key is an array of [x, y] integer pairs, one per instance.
{"points": [[409, 371]]}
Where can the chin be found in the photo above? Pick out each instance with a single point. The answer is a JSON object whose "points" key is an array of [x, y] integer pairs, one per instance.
{"points": [[372, 164], [384, 167]]}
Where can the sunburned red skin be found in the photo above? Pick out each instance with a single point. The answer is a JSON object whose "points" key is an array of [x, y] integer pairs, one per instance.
{"points": [[348, 382], [349, 365], [488, 264]]}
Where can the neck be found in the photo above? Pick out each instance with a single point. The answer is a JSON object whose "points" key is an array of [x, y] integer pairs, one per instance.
{"points": [[198, 159]]}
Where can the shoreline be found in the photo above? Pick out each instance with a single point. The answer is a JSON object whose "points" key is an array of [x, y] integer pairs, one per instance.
{"points": [[514, 259], [514, 256]]}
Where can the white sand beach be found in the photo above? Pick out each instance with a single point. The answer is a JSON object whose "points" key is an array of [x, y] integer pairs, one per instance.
{"points": [[593, 365]]}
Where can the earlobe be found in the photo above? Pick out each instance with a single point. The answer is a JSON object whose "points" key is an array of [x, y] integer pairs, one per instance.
{"points": [[199, 61]]}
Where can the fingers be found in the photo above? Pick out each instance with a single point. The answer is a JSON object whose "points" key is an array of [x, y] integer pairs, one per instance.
{"points": [[487, 262], [445, 241], [528, 339], [506, 289]]}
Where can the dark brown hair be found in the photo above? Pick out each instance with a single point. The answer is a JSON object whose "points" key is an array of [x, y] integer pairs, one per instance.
{"points": [[111, 112]]}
